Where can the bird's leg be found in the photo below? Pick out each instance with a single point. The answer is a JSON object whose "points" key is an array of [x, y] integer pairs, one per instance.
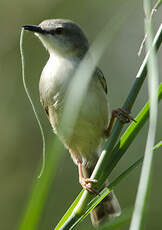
{"points": [[85, 182], [122, 115]]}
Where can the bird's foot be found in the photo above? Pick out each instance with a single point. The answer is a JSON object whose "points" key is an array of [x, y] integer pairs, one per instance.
{"points": [[122, 115], [85, 183]]}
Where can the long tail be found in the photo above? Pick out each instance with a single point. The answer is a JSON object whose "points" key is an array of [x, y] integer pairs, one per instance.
{"points": [[107, 209]]}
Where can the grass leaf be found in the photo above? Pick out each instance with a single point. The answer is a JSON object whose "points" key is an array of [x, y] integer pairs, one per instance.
{"points": [[157, 146], [107, 190], [143, 188], [35, 205]]}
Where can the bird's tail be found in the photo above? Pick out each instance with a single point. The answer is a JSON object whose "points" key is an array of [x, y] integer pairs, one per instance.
{"points": [[107, 209]]}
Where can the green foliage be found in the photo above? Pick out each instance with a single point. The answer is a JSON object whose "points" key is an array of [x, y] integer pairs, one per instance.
{"points": [[153, 81], [32, 213]]}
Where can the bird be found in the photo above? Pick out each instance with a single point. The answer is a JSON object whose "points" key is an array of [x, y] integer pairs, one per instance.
{"points": [[67, 46]]}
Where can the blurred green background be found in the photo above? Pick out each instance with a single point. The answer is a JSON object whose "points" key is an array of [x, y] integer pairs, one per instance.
{"points": [[21, 146]]}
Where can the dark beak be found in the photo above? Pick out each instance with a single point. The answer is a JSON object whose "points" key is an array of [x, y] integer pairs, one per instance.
{"points": [[34, 28]]}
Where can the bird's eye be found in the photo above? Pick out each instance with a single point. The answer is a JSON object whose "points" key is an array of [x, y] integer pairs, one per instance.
{"points": [[59, 30]]}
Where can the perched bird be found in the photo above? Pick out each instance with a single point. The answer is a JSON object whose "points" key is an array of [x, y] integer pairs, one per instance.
{"points": [[67, 46]]}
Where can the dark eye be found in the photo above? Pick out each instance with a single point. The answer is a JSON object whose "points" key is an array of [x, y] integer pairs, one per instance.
{"points": [[59, 30]]}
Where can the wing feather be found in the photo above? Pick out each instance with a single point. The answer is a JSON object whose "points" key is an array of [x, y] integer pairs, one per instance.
{"points": [[101, 79]]}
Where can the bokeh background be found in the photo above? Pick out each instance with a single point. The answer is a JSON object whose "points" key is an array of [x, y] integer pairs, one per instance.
{"points": [[20, 140]]}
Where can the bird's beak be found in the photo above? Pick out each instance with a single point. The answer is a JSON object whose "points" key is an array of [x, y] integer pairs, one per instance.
{"points": [[34, 28]]}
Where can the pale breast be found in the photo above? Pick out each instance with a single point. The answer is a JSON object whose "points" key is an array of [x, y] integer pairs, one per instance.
{"points": [[83, 138], [55, 78]]}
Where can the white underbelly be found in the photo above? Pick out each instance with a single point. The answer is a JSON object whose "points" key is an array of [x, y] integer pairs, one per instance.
{"points": [[83, 138]]}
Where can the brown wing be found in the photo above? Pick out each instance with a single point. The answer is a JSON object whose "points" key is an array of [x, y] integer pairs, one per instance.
{"points": [[101, 79]]}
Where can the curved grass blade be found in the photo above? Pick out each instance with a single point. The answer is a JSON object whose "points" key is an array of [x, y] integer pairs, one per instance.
{"points": [[34, 208], [143, 188], [157, 4], [157, 146], [69, 211], [125, 217], [130, 133], [107, 190], [98, 198]]}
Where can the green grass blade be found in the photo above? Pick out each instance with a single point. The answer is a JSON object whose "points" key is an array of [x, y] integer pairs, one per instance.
{"points": [[34, 208], [69, 211], [107, 190], [130, 133], [97, 199], [126, 215], [126, 172], [157, 146], [157, 4], [134, 165], [143, 188]]}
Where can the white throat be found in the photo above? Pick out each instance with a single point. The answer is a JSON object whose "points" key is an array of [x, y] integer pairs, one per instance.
{"points": [[56, 75]]}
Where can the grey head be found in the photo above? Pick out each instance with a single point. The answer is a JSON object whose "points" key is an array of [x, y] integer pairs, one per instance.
{"points": [[61, 36]]}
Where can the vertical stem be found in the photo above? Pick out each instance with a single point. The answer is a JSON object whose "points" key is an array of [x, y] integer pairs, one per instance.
{"points": [[143, 187]]}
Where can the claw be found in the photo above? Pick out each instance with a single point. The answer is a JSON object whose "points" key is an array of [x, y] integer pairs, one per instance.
{"points": [[88, 180], [85, 183], [126, 117]]}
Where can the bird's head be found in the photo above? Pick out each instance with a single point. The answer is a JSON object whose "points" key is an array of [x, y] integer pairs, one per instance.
{"points": [[61, 36]]}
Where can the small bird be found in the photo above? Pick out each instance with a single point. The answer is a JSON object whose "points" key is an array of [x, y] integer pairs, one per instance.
{"points": [[67, 46]]}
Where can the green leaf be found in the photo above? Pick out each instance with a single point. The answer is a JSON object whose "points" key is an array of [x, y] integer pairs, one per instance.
{"points": [[157, 4], [35, 205], [98, 198], [69, 211], [158, 145], [108, 189], [130, 133], [153, 78]]}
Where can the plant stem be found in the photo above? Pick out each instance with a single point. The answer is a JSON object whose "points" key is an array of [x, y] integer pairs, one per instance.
{"points": [[130, 134], [143, 188]]}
